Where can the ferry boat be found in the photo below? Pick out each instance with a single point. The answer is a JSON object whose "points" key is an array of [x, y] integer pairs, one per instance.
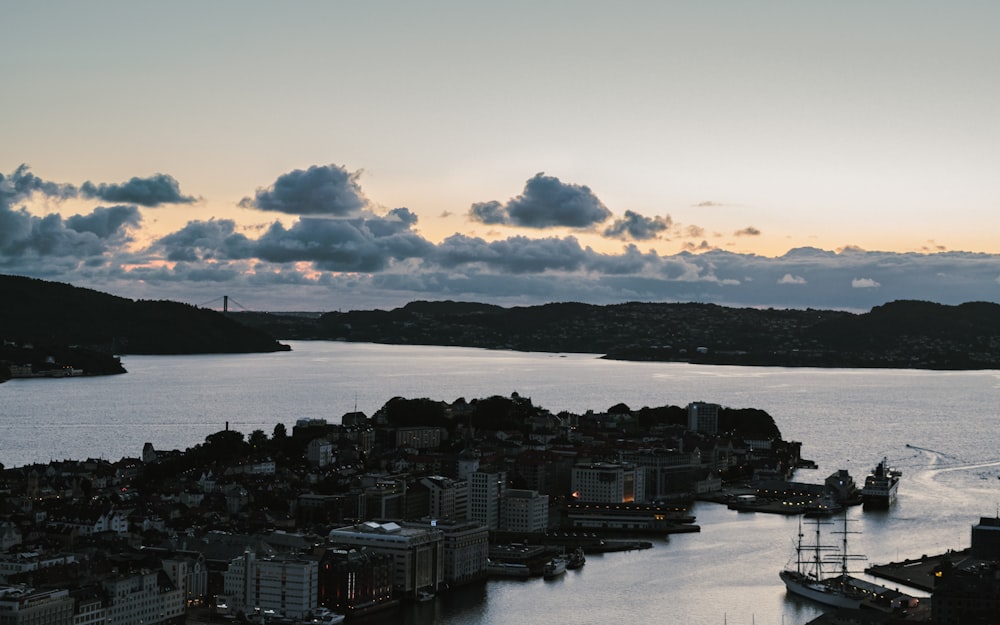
{"points": [[880, 486]]}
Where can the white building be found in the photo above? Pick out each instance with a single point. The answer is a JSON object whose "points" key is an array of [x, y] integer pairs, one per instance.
{"points": [[147, 597], [418, 552], [524, 511], [601, 482], [286, 585], [486, 489]]}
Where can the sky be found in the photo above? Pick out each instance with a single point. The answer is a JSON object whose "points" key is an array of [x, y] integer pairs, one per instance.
{"points": [[316, 156]]}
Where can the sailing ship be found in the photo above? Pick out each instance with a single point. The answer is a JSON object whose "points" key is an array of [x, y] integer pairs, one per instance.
{"points": [[808, 579], [839, 590]]}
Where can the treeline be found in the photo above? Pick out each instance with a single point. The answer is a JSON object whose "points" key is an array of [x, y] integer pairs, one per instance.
{"points": [[901, 334]]}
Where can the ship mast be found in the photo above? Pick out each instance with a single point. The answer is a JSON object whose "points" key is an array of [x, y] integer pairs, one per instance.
{"points": [[844, 554]]}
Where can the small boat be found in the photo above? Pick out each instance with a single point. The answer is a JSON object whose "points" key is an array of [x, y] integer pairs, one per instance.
{"points": [[555, 567], [424, 595], [324, 616], [576, 559]]}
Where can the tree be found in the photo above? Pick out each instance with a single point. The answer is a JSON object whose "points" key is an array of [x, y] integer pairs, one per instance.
{"points": [[280, 433], [258, 440]]}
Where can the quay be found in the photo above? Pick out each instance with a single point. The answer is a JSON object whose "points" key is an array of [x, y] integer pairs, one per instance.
{"points": [[919, 572]]}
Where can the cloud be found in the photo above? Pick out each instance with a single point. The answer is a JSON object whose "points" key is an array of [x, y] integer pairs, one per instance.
{"points": [[43, 244], [106, 222], [790, 279], [707, 204], [694, 232], [20, 184], [638, 227], [367, 261], [749, 231], [320, 190], [546, 202], [864, 283], [491, 213], [513, 255], [329, 244], [153, 191], [203, 240]]}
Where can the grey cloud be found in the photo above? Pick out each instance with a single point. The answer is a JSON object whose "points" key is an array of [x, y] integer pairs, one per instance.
{"points": [[514, 255], [749, 231], [491, 213], [152, 191], [202, 240], [105, 222], [546, 202], [340, 245], [26, 238], [320, 190], [638, 227], [22, 183], [398, 220]]}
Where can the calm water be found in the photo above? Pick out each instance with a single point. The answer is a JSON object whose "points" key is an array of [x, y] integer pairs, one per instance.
{"points": [[846, 419]]}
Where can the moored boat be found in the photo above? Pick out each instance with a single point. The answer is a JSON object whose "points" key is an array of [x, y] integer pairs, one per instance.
{"points": [[576, 559], [881, 486], [555, 567], [808, 579]]}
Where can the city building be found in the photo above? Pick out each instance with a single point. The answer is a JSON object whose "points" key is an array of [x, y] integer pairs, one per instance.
{"points": [[703, 417], [668, 473], [524, 511], [418, 552], [466, 549], [601, 482], [284, 584], [449, 499], [319, 452], [486, 489], [147, 597], [22, 605], [355, 581]]}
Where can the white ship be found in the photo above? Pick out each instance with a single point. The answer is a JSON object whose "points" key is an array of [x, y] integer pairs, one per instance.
{"points": [[880, 486], [809, 580]]}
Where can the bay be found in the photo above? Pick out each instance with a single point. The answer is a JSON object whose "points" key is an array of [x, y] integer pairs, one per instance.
{"points": [[938, 427]]}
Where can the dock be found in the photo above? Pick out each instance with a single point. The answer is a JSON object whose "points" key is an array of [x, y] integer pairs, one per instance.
{"points": [[918, 572]]}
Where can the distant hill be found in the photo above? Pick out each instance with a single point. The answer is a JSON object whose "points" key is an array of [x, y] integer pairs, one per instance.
{"points": [[55, 316], [901, 334]]}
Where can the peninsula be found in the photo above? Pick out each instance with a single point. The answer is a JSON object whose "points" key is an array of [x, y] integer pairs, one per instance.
{"points": [[900, 334], [54, 329]]}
